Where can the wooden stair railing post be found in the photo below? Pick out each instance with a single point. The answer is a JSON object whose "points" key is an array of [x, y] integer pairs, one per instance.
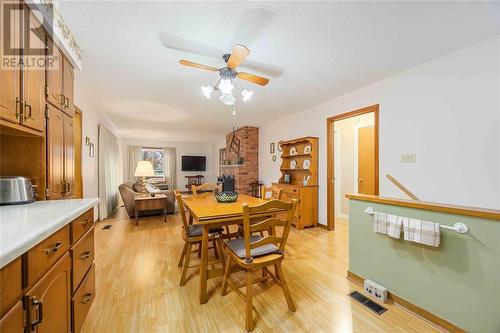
{"points": [[402, 188]]}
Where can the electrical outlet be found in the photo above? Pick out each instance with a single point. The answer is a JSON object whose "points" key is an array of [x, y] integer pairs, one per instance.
{"points": [[408, 158], [376, 290]]}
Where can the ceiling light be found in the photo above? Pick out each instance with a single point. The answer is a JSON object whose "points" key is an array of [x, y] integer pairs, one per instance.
{"points": [[207, 91], [247, 94], [226, 86], [227, 99]]}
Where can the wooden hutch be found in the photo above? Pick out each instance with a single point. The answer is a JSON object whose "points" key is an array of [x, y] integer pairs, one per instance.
{"points": [[299, 161]]}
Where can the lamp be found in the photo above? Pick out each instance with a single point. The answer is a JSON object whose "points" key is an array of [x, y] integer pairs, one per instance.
{"points": [[247, 94], [207, 91], [225, 86], [144, 169]]}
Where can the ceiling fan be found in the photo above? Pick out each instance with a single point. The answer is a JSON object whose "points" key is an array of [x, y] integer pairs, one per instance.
{"points": [[227, 74]]}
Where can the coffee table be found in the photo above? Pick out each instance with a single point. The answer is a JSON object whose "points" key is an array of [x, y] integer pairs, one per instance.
{"points": [[146, 202]]}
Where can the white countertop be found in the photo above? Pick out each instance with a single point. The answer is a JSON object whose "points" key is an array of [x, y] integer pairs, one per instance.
{"points": [[24, 226]]}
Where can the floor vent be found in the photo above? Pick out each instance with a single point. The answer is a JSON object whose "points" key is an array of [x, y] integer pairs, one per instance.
{"points": [[378, 309], [107, 226]]}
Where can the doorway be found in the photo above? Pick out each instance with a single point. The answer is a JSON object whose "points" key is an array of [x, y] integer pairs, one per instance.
{"points": [[352, 159]]}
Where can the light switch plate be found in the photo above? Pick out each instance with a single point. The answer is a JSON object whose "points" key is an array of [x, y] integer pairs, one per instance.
{"points": [[408, 158]]}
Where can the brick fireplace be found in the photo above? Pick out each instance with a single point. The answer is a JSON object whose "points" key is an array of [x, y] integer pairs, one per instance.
{"points": [[248, 139]]}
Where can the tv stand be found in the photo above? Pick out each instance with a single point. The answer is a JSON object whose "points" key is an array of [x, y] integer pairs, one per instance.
{"points": [[194, 180]]}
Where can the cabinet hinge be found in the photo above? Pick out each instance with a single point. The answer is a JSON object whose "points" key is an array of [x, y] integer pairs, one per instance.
{"points": [[46, 90], [47, 192], [46, 111]]}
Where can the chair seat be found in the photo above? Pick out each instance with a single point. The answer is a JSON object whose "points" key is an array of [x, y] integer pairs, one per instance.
{"points": [[195, 230], [238, 247]]}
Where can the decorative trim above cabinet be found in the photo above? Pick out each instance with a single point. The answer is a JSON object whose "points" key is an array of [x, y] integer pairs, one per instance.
{"points": [[59, 30]]}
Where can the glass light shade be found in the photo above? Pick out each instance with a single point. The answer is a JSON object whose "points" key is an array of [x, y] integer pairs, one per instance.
{"points": [[247, 94], [227, 99], [207, 91], [225, 86], [144, 169]]}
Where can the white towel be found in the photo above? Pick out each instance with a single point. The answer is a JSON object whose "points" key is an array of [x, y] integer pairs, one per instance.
{"points": [[380, 223], [423, 232], [394, 226]]}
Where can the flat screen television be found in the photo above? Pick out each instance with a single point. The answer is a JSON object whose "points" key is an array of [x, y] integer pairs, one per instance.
{"points": [[194, 163]]}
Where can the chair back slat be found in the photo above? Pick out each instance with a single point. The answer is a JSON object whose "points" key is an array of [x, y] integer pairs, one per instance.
{"points": [[182, 210], [203, 187], [271, 207], [276, 192], [267, 224], [266, 240]]}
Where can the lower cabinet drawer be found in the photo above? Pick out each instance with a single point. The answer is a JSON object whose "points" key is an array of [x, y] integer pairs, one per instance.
{"points": [[82, 256], [13, 321], [82, 300], [47, 253]]}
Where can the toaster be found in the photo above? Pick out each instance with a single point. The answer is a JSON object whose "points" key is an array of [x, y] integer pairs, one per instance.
{"points": [[16, 190]]}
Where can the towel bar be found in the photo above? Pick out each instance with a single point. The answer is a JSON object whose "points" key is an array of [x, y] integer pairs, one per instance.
{"points": [[461, 228]]}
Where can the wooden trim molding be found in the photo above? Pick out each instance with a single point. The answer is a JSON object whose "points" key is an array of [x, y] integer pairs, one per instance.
{"points": [[415, 309], [330, 188], [432, 206]]}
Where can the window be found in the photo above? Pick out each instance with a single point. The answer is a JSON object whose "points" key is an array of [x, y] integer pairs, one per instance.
{"points": [[156, 157]]}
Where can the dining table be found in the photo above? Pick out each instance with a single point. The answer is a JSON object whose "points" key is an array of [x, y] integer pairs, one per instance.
{"points": [[208, 212]]}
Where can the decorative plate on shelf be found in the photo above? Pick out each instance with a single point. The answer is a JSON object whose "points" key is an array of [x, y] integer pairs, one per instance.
{"points": [[293, 164], [293, 151], [307, 149], [306, 164]]}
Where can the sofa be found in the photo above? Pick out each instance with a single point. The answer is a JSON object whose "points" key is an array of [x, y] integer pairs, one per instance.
{"points": [[128, 194]]}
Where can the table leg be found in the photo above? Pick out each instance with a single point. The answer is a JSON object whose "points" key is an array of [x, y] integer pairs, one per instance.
{"points": [[165, 215], [203, 265], [136, 217]]}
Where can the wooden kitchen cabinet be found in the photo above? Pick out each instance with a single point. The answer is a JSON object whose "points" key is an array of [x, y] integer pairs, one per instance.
{"points": [[34, 78], [69, 156], [55, 153], [10, 285], [48, 302], [54, 76], [60, 154], [22, 95], [13, 321], [68, 88]]}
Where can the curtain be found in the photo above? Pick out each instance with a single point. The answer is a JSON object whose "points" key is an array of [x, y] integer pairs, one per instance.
{"points": [[108, 172], [134, 156], [169, 167]]}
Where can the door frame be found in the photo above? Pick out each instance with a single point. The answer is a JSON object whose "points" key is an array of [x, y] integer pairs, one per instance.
{"points": [[330, 122]]}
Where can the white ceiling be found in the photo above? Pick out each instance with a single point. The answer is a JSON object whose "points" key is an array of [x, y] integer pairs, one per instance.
{"points": [[323, 49]]}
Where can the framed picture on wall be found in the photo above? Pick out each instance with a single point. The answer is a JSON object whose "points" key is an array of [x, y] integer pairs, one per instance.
{"points": [[222, 156]]}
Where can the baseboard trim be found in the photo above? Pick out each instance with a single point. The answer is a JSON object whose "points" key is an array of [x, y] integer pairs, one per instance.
{"points": [[415, 309], [322, 226]]}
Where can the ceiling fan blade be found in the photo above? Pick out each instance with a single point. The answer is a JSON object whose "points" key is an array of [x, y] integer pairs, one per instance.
{"points": [[239, 54], [181, 44], [253, 78], [252, 23], [196, 65], [262, 68]]}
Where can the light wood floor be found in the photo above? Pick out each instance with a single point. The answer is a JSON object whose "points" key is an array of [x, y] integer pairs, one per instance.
{"points": [[137, 287]]}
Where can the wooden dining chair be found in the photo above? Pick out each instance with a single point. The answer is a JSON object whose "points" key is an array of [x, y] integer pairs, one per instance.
{"points": [[191, 234], [276, 192], [204, 187], [253, 252]]}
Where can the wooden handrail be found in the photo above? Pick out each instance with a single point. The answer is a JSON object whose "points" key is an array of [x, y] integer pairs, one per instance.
{"points": [[432, 206], [401, 187]]}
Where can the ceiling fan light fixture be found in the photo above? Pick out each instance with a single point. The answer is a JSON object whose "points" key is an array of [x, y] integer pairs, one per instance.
{"points": [[247, 94], [207, 91], [226, 86], [227, 99]]}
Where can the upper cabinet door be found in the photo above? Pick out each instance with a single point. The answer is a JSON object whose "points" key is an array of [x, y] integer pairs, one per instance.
{"points": [[54, 76], [10, 79], [55, 153], [69, 156], [68, 88], [34, 77]]}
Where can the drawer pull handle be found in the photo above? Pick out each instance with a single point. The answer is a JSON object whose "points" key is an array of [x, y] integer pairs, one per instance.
{"points": [[39, 319], [86, 298], [85, 255], [54, 248], [85, 222]]}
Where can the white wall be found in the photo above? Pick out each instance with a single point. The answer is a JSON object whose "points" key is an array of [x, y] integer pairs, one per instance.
{"points": [[446, 111], [90, 124], [182, 148]]}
